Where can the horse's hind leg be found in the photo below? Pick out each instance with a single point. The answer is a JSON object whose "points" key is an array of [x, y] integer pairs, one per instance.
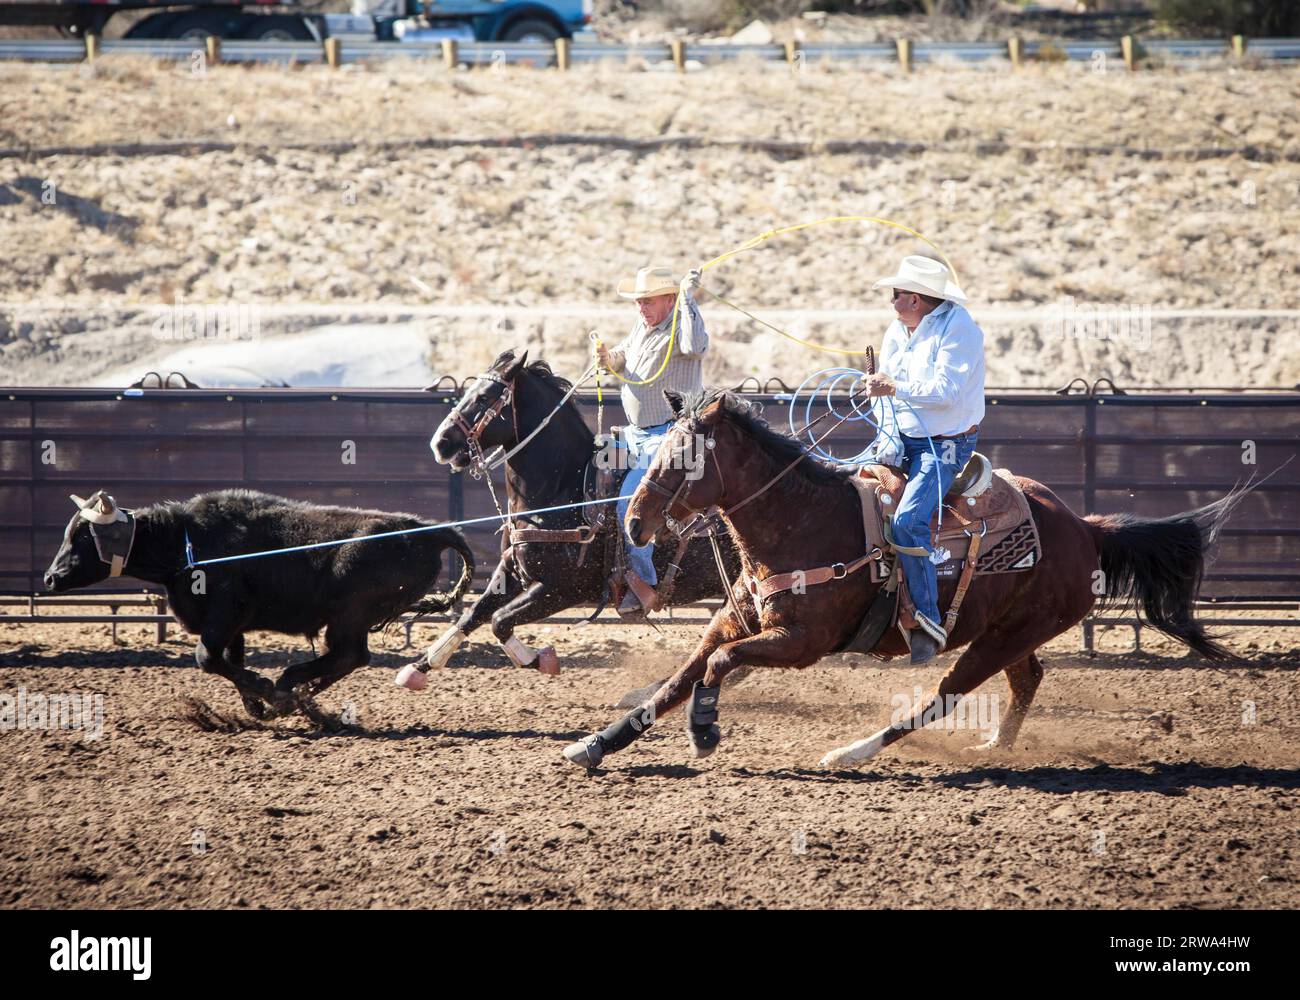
{"points": [[539, 601], [980, 662], [1023, 676], [500, 589]]}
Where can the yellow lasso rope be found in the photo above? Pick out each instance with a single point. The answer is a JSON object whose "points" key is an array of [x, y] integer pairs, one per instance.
{"points": [[757, 241], [672, 339]]}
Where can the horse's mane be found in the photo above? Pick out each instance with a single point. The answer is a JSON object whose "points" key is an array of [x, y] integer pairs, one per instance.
{"points": [[780, 447], [538, 368], [543, 371]]}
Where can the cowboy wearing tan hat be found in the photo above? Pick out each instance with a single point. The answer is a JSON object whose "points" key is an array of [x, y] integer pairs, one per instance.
{"points": [[639, 358], [932, 360]]}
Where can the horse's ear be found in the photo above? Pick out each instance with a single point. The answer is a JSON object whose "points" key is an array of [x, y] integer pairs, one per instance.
{"points": [[675, 401], [710, 414], [516, 366]]}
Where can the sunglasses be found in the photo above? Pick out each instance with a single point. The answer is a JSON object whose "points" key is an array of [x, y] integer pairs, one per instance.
{"points": [[897, 293]]}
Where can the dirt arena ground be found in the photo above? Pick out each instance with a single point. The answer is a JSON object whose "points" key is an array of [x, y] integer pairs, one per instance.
{"points": [[1141, 780]]}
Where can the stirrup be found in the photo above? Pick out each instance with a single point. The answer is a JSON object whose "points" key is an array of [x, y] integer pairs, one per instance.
{"points": [[934, 630], [639, 591]]}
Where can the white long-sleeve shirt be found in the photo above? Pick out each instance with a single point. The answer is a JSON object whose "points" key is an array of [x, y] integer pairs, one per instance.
{"points": [[938, 370]]}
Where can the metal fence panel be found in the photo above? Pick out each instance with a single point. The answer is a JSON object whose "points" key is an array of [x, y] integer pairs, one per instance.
{"points": [[1152, 455]]}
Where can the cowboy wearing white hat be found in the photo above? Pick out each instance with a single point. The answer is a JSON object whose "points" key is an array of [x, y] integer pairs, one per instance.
{"points": [[932, 360], [640, 358]]}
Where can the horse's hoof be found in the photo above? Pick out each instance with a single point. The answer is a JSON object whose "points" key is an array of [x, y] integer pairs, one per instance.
{"points": [[255, 706], [840, 757], [588, 752], [704, 741], [412, 678], [548, 662]]}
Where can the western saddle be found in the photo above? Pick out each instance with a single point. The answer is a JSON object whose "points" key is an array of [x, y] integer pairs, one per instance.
{"points": [[986, 528]]}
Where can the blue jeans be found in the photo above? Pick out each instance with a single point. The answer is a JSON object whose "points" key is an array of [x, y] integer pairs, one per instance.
{"points": [[928, 479], [641, 444]]}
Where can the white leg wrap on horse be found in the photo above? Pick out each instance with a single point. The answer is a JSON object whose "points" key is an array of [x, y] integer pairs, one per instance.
{"points": [[521, 654], [440, 652], [857, 752]]}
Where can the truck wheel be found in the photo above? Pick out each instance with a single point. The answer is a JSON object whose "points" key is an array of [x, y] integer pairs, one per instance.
{"points": [[531, 29], [276, 28], [199, 25], [153, 26]]}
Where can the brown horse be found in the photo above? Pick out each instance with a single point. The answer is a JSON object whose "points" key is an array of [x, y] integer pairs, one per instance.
{"points": [[811, 516]]}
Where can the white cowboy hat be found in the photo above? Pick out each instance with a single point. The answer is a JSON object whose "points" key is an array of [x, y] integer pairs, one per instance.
{"points": [[649, 281], [925, 276]]}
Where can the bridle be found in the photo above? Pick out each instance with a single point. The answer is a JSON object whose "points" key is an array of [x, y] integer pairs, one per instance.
{"points": [[472, 432], [694, 517], [481, 463]]}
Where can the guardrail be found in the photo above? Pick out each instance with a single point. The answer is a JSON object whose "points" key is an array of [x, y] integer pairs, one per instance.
{"points": [[682, 55], [1152, 453]]}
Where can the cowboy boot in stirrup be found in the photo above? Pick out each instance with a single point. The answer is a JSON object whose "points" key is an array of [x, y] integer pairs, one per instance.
{"points": [[927, 639], [638, 601]]}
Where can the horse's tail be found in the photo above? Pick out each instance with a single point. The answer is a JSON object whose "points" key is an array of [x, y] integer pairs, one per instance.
{"points": [[438, 602], [1157, 563]]}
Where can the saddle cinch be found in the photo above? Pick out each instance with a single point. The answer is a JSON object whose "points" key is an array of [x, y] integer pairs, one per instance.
{"points": [[987, 528]]}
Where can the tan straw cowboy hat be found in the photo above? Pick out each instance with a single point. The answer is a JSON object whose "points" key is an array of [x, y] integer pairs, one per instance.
{"points": [[925, 276], [649, 281]]}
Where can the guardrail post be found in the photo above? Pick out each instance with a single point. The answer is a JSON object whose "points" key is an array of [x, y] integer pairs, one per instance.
{"points": [[792, 52], [212, 46], [1128, 49], [562, 59], [92, 47], [334, 52], [1016, 52], [678, 48], [1239, 46], [904, 54], [450, 53]]}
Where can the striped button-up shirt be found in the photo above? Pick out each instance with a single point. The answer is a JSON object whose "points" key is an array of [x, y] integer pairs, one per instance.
{"points": [[641, 354]]}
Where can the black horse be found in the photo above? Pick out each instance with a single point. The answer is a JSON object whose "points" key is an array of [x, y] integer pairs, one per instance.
{"points": [[538, 578], [347, 590]]}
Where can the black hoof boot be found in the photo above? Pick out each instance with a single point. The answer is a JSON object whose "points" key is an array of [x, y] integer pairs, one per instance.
{"points": [[590, 751], [702, 718]]}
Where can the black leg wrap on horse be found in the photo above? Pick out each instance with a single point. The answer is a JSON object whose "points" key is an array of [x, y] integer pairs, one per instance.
{"points": [[702, 720], [703, 707], [626, 729]]}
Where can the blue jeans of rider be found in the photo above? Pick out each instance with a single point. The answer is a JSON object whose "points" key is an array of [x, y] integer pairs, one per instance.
{"points": [[642, 443], [929, 475]]}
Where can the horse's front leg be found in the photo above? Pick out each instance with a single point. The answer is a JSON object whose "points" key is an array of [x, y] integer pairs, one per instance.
{"points": [[773, 647], [500, 589], [591, 750], [537, 602]]}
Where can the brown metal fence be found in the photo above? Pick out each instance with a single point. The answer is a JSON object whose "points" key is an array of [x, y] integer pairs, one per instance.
{"points": [[1149, 453]]}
